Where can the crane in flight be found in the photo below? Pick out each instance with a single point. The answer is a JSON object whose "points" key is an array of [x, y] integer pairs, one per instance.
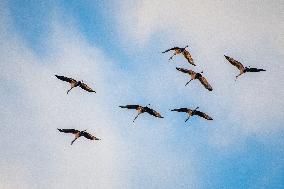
{"points": [[142, 109], [185, 53], [78, 134], [191, 112], [242, 68], [74, 83], [195, 75]]}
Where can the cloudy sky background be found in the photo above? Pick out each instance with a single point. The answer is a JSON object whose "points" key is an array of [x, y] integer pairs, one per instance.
{"points": [[116, 48]]}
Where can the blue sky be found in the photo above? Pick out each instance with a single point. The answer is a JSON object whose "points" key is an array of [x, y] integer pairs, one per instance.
{"points": [[116, 48]]}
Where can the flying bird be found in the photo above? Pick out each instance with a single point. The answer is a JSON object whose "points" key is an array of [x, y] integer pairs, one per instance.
{"points": [[75, 83], [198, 76], [185, 53], [241, 67], [78, 134], [142, 109], [191, 112]]}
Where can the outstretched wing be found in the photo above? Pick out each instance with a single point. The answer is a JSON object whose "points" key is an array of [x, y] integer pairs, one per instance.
{"points": [[174, 48], [130, 106], [181, 110], [73, 131], [205, 83], [153, 112], [67, 79], [235, 62], [188, 57], [254, 70], [201, 114], [86, 87], [89, 136], [186, 71]]}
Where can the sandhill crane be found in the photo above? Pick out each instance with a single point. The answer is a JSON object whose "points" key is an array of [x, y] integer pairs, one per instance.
{"points": [[142, 109], [191, 112], [75, 83], [198, 76], [241, 67], [78, 134], [179, 50]]}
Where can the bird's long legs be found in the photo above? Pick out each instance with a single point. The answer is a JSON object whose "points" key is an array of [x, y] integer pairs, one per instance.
{"points": [[136, 116], [238, 76], [187, 119], [73, 141], [188, 82], [172, 56], [70, 90]]}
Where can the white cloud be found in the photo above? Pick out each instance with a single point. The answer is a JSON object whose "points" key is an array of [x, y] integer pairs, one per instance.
{"points": [[36, 104], [248, 31]]}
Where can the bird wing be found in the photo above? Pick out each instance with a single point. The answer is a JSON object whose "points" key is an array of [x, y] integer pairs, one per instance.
{"points": [[180, 110], [152, 112], [254, 70], [186, 71], [174, 48], [235, 62], [205, 83], [86, 87], [89, 136], [67, 79], [130, 106], [73, 131], [188, 57], [201, 114]]}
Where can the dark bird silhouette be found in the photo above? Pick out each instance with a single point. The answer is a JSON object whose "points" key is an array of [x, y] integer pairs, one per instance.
{"points": [[75, 83], [142, 109], [191, 112], [198, 76], [78, 134], [185, 53], [241, 67]]}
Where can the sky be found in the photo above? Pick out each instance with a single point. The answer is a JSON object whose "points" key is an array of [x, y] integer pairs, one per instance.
{"points": [[115, 47]]}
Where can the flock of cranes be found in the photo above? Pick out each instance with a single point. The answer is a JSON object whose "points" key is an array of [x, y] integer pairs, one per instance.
{"points": [[142, 109]]}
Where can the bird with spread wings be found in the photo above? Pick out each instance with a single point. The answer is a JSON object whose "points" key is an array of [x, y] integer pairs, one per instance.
{"points": [[185, 53], [198, 76], [78, 134], [74, 83], [191, 112], [242, 68], [142, 109]]}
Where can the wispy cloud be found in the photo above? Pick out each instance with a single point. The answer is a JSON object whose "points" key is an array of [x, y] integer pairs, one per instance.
{"points": [[243, 30], [152, 153]]}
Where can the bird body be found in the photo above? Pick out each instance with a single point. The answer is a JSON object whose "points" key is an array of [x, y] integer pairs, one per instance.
{"points": [[242, 68], [74, 83], [185, 53], [194, 75], [142, 109], [191, 112], [78, 134]]}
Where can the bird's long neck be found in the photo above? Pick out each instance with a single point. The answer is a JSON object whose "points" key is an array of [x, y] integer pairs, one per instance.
{"points": [[195, 109]]}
